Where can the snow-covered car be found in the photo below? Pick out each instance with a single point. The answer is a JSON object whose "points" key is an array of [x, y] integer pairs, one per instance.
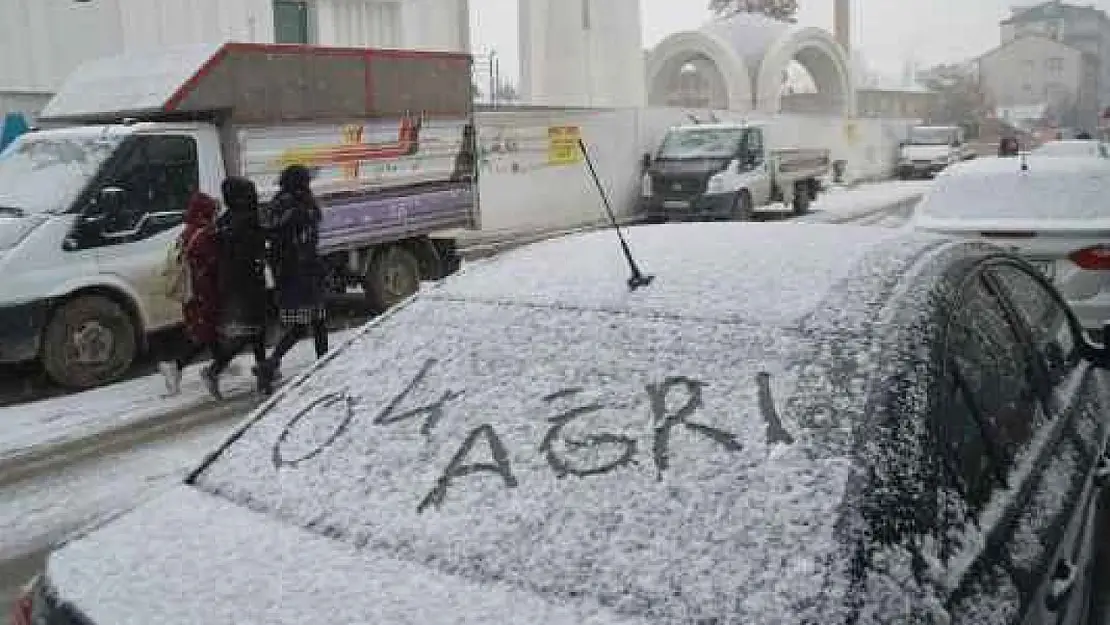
{"points": [[788, 424], [932, 149], [1056, 213], [1073, 148]]}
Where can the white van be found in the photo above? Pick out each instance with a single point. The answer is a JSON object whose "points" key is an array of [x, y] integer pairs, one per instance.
{"points": [[88, 211]]}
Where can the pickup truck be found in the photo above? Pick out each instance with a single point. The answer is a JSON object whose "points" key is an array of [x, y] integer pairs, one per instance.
{"points": [[726, 171], [931, 149], [90, 204]]}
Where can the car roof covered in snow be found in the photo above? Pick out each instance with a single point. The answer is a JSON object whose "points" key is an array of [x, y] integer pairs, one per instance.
{"points": [[1058, 189], [679, 453]]}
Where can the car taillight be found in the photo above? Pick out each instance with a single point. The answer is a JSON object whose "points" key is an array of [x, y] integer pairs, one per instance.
{"points": [[1096, 257]]}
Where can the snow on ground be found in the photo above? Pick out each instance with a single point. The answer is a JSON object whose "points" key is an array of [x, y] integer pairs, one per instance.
{"points": [[62, 419], [868, 198], [41, 511]]}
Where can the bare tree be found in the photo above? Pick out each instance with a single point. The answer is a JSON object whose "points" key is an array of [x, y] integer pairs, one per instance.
{"points": [[785, 10]]}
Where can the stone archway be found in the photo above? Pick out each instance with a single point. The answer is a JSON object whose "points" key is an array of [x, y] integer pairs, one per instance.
{"points": [[721, 72], [821, 56], [744, 59]]}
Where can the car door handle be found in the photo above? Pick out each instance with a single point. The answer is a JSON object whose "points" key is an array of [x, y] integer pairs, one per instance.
{"points": [[1059, 587]]}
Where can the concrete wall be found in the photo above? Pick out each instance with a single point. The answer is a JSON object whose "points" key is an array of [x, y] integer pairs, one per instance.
{"points": [[522, 191], [581, 53]]}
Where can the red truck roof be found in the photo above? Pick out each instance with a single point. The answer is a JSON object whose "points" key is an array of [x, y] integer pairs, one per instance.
{"points": [[264, 83]]}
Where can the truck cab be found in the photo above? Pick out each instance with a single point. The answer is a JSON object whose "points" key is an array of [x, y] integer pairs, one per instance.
{"points": [[726, 171], [929, 150]]}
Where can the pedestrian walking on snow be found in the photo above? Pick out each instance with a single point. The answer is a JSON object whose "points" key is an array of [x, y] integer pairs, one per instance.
{"points": [[293, 228], [202, 310], [242, 281]]}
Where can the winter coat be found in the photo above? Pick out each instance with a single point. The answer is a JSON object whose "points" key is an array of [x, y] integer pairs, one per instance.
{"points": [[242, 259], [293, 229], [202, 312]]}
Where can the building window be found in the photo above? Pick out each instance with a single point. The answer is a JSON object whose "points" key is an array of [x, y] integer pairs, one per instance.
{"points": [[1055, 65], [291, 21]]}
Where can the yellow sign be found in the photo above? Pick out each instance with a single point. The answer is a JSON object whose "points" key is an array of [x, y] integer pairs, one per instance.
{"points": [[851, 132], [562, 145]]}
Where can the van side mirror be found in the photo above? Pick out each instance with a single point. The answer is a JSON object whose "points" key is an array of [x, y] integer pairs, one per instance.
{"points": [[109, 201], [645, 162]]}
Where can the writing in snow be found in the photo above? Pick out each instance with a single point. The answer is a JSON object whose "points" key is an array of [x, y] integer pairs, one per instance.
{"points": [[566, 411]]}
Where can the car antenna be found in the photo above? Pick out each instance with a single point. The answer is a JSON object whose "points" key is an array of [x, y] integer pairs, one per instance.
{"points": [[637, 279]]}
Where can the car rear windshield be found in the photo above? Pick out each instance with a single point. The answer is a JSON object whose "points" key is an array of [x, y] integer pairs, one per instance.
{"points": [[655, 464], [1056, 194]]}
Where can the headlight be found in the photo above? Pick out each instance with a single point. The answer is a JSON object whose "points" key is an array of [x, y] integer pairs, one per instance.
{"points": [[716, 185], [645, 185]]}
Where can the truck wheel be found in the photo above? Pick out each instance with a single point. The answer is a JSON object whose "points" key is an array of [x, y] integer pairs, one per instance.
{"points": [[801, 197], [89, 341], [742, 207], [392, 276]]}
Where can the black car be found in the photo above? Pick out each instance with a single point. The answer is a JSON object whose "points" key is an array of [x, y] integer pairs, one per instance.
{"points": [[788, 425]]}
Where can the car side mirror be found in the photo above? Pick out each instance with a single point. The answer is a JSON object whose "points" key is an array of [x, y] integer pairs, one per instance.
{"points": [[109, 201], [901, 144]]}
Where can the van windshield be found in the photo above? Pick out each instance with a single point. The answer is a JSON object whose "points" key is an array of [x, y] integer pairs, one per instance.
{"points": [[932, 136], [697, 143], [45, 172]]}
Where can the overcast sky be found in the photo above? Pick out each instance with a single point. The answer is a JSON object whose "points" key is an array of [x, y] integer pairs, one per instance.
{"points": [[887, 31]]}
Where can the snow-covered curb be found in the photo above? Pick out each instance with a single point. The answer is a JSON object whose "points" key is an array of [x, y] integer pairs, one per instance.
{"points": [[851, 204], [34, 435]]}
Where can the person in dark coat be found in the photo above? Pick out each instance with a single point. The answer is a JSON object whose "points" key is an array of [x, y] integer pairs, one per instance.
{"points": [[242, 282], [202, 311], [1009, 146], [293, 227]]}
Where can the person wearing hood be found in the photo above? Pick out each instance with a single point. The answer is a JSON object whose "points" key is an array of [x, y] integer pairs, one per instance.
{"points": [[242, 282], [202, 310], [293, 229]]}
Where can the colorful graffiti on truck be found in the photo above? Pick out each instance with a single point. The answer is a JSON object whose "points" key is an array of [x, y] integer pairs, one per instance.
{"points": [[353, 151]]}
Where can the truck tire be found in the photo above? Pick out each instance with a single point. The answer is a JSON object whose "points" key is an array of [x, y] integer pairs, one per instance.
{"points": [[89, 341], [742, 206], [392, 275], [801, 197]]}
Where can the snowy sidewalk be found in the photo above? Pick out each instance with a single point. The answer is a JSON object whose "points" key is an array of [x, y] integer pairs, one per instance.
{"points": [[32, 432], [843, 204]]}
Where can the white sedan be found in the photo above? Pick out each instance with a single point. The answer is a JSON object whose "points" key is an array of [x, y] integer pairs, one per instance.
{"points": [[1056, 213], [1078, 147]]}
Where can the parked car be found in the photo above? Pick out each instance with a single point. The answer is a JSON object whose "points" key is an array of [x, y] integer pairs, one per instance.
{"points": [[1055, 213], [1073, 148], [789, 424], [932, 149]]}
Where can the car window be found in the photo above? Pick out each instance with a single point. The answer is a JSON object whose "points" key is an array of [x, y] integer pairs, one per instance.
{"points": [[986, 353], [1047, 321], [159, 175]]}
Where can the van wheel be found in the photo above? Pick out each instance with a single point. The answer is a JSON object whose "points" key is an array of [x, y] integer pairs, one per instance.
{"points": [[391, 277], [89, 341], [742, 207], [801, 197]]}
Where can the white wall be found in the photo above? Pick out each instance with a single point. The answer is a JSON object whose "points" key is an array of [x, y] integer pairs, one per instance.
{"points": [[520, 192], [44, 40], [581, 53], [154, 23]]}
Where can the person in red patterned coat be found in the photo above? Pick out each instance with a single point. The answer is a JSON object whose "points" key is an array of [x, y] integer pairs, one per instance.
{"points": [[202, 311]]}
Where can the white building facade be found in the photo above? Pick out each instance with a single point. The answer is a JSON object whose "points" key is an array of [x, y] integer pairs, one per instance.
{"points": [[43, 40]]}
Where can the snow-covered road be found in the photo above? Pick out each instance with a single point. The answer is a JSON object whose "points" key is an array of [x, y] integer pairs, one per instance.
{"points": [[39, 512]]}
